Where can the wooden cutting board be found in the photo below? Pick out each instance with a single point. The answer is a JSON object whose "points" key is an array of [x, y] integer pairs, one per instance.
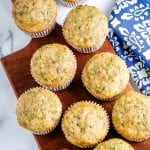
{"points": [[17, 67]]}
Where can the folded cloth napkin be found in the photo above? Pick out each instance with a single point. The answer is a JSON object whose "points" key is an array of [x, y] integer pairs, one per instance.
{"points": [[129, 34]]}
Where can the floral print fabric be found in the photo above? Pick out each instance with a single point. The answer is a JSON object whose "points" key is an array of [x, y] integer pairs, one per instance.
{"points": [[129, 34]]}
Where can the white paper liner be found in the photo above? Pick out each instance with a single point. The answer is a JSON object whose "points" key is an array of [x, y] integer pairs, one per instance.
{"points": [[133, 140], [74, 4], [102, 99], [43, 33], [99, 98], [46, 131], [60, 87], [88, 146], [90, 49], [42, 132]]}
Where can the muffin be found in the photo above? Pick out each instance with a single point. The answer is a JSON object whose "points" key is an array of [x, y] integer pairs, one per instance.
{"points": [[36, 18], [131, 116], [53, 66], [73, 3], [105, 76], [85, 28], [39, 110], [114, 144], [85, 124]]}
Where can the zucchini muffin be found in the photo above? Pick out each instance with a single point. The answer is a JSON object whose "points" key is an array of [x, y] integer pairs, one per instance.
{"points": [[53, 66], [85, 28], [85, 124], [73, 3], [114, 144], [105, 76], [39, 110], [131, 116], [36, 18]]}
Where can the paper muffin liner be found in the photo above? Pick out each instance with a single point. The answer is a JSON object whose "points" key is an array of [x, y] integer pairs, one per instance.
{"points": [[44, 132], [134, 140], [103, 99], [108, 119], [43, 33], [60, 87], [90, 49], [74, 4]]}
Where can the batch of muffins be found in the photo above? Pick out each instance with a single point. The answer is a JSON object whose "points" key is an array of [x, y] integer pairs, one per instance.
{"points": [[105, 76]]}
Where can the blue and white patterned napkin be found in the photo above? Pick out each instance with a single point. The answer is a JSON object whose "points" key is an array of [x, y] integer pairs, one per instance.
{"points": [[129, 33]]}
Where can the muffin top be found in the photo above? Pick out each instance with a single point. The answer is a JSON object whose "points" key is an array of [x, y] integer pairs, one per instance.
{"points": [[85, 124], [105, 75], [131, 116], [114, 144], [34, 15], [38, 109], [85, 26], [53, 65]]}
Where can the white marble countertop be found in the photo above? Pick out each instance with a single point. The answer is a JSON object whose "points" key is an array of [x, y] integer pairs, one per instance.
{"points": [[12, 136]]}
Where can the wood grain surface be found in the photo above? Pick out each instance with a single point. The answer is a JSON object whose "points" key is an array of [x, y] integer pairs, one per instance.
{"points": [[17, 67]]}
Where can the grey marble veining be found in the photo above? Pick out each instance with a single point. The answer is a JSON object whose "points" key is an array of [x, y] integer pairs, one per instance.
{"points": [[11, 38]]}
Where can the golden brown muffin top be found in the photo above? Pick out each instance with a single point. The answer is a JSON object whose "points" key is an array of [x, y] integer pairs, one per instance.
{"points": [[34, 15], [85, 124], [53, 65], [85, 26], [38, 109], [114, 144], [105, 75], [131, 116]]}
